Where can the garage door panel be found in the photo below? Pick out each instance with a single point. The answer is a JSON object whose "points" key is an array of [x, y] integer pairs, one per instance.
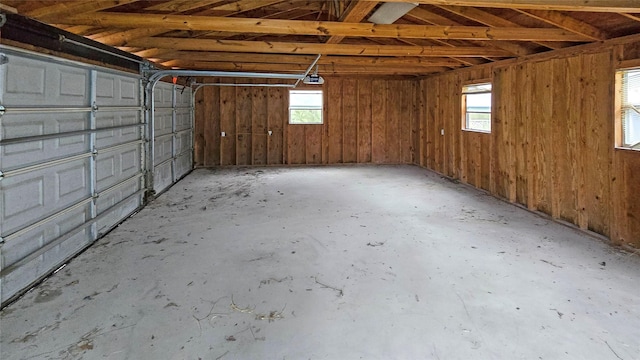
{"points": [[26, 153], [33, 196], [117, 204], [120, 136], [47, 193], [30, 82], [183, 97], [163, 95], [35, 268], [163, 122], [162, 176], [117, 90], [183, 164], [183, 142], [183, 119], [163, 149], [114, 167]]}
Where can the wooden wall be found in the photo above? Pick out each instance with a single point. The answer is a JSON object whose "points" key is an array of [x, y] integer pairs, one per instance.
{"points": [[552, 145], [365, 121]]}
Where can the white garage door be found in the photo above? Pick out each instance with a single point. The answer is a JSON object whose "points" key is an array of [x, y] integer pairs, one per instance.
{"points": [[72, 159], [173, 134]]}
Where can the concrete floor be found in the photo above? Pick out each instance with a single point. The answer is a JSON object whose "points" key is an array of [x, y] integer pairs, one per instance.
{"points": [[365, 262]]}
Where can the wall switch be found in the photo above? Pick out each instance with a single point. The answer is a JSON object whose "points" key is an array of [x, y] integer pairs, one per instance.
{"points": [[223, 134], [270, 132], [441, 131]]}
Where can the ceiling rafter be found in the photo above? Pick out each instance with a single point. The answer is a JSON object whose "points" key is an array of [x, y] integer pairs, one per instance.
{"points": [[302, 59], [324, 69], [178, 6], [421, 14], [320, 28], [60, 10], [315, 48], [489, 19], [567, 22]]}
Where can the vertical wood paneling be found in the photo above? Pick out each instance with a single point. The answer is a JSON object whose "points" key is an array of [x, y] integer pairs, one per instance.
{"points": [[364, 120], [334, 121], [350, 121], [360, 125], [392, 134], [259, 126], [228, 125], [378, 115], [276, 118], [244, 100], [198, 128], [522, 118], [313, 149], [552, 143], [599, 140], [296, 143]]}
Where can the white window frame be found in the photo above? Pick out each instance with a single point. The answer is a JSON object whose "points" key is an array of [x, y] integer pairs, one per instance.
{"points": [[468, 89], [624, 109], [306, 107]]}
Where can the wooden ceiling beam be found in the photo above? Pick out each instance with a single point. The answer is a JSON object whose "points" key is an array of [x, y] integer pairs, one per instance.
{"points": [[178, 6], [568, 23], [237, 7], [635, 17], [422, 15], [301, 59], [320, 28], [314, 48], [356, 11], [489, 19], [612, 6], [63, 9], [293, 68]]}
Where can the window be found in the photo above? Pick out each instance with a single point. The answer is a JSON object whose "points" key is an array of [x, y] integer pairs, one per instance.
{"points": [[630, 109], [305, 107], [476, 107]]}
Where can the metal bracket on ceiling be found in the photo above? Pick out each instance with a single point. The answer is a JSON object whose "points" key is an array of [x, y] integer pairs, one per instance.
{"points": [[3, 19]]}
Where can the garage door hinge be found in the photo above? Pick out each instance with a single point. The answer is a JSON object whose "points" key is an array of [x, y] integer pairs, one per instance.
{"points": [[94, 107], [94, 152], [95, 195], [3, 59], [1, 175], [2, 110], [1, 240]]}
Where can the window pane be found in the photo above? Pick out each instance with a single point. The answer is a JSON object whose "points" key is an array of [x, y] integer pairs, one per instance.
{"points": [[631, 127], [305, 116], [305, 99], [477, 112], [479, 121], [479, 103], [630, 107]]}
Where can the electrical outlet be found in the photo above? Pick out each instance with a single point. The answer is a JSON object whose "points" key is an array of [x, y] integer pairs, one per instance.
{"points": [[441, 131], [223, 134]]}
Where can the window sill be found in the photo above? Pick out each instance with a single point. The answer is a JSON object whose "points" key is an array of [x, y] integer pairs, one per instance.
{"points": [[625, 148], [477, 131]]}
